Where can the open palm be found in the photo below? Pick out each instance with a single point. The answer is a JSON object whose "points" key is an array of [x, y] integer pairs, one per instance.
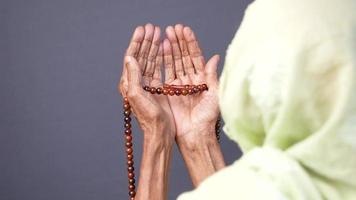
{"points": [[143, 61], [185, 64]]}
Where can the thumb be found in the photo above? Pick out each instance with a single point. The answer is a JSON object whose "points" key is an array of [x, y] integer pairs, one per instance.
{"points": [[211, 70], [134, 75]]}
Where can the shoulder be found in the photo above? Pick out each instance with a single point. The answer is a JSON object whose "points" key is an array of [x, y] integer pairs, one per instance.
{"points": [[233, 182]]}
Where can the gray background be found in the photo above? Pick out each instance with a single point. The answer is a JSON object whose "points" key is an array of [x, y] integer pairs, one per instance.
{"points": [[61, 116]]}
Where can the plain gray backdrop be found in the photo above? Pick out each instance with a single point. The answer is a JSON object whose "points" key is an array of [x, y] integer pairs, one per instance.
{"points": [[61, 129]]}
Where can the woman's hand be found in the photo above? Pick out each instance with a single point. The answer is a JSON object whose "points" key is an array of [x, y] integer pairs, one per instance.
{"points": [[195, 115], [142, 63], [185, 64]]}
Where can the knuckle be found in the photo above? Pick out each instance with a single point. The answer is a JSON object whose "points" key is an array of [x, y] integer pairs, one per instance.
{"points": [[145, 53], [186, 61], [141, 54], [168, 61], [195, 53], [148, 40], [158, 61], [185, 53], [177, 56], [149, 64], [151, 57]]}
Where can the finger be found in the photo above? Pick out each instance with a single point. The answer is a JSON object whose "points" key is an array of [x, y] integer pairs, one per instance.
{"points": [[146, 45], [177, 56], [132, 50], [194, 50], [187, 63], [157, 77], [149, 70], [134, 76], [211, 71], [168, 61], [135, 43]]}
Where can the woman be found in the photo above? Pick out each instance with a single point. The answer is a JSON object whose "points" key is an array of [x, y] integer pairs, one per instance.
{"points": [[287, 95]]}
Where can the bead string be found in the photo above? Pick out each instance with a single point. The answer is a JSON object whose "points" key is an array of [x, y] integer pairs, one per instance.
{"points": [[170, 90]]}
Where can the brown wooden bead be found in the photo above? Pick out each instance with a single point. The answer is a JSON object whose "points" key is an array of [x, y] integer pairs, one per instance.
{"points": [[159, 90], [196, 89], [126, 99], [130, 163], [131, 175], [126, 106], [132, 193], [128, 138], [205, 87], [190, 91], [129, 150], [128, 144], [130, 169], [132, 198], [171, 92], [146, 88], [127, 119], [184, 92], [187, 86], [200, 87], [132, 181], [131, 187], [153, 90], [128, 131], [177, 92], [129, 156], [127, 125], [127, 113], [165, 91]]}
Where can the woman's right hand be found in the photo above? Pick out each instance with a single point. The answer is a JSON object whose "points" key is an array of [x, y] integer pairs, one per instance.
{"points": [[142, 63], [195, 115]]}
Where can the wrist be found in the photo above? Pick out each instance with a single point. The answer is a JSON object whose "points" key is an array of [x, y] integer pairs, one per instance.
{"points": [[198, 140], [201, 153], [159, 136], [154, 169], [198, 134]]}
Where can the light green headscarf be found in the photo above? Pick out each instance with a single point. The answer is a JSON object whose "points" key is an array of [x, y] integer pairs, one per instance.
{"points": [[288, 98]]}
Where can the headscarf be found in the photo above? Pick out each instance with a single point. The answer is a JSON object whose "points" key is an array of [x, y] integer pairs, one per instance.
{"points": [[288, 98]]}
